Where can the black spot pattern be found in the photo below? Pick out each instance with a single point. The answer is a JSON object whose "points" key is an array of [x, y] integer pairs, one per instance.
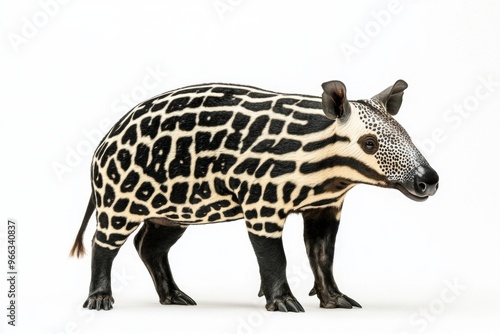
{"points": [[280, 108], [109, 152], [314, 123], [205, 142], [190, 90], [181, 164], [179, 192], [130, 136], [159, 154], [239, 123], [284, 146], [397, 156], [109, 196], [221, 164], [178, 104], [280, 167], [267, 212], [103, 220], [254, 195], [145, 191], [130, 182], [158, 201], [254, 132], [271, 193], [248, 165], [138, 209], [112, 172], [199, 192], [288, 188], [97, 176], [124, 158], [185, 122], [214, 118], [233, 212], [118, 222], [150, 126], [272, 227], [257, 106], [276, 126], [121, 205]]}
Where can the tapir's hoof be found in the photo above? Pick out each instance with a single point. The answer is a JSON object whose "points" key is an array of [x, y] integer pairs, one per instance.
{"points": [[177, 297], [336, 301], [99, 302], [284, 304], [340, 301]]}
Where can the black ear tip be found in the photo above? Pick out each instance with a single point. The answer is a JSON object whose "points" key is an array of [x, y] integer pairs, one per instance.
{"points": [[401, 84], [331, 84]]}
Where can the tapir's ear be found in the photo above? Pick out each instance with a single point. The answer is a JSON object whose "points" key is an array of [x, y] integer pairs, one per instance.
{"points": [[392, 97], [334, 100]]}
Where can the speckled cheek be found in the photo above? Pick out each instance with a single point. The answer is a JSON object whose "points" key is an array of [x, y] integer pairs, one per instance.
{"points": [[397, 156]]}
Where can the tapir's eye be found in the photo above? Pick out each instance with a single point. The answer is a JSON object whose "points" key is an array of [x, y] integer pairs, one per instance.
{"points": [[369, 144]]}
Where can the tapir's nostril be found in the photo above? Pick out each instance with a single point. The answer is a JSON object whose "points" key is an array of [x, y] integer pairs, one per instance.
{"points": [[422, 186]]}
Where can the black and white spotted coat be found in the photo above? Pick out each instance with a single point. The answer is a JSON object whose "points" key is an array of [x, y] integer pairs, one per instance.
{"points": [[218, 152]]}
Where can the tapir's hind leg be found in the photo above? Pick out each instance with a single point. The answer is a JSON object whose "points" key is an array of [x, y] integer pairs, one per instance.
{"points": [[100, 295], [105, 245], [153, 242]]}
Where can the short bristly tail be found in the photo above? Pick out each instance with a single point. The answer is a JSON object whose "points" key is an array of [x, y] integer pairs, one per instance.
{"points": [[78, 248]]}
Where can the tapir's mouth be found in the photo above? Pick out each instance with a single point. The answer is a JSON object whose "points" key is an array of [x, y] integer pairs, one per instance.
{"points": [[407, 193], [422, 183]]}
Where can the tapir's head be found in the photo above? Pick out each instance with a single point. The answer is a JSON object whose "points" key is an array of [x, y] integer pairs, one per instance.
{"points": [[386, 155]]}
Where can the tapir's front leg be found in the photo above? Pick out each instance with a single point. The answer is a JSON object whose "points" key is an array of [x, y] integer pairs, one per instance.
{"points": [[272, 264], [320, 231]]}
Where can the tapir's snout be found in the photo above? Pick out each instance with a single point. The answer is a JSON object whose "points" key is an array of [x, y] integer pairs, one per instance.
{"points": [[424, 182]]}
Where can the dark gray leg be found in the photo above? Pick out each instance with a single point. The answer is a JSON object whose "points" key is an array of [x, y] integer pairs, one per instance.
{"points": [[320, 231], [272, 264], [100, 296], [153, 243]]}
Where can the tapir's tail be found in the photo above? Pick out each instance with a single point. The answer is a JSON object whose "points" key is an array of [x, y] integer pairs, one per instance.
{"points": [[78, 248]]}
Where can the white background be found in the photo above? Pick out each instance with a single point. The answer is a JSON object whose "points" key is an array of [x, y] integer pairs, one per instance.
{"points": [[70, 70]]}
